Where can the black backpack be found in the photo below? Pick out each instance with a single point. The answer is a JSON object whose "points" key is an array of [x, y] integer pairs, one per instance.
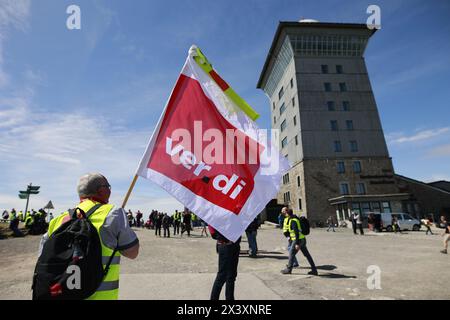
{"points": [[70, 265], [304, 225]]}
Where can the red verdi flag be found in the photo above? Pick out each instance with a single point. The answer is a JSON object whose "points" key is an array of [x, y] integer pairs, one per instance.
{"points": [[209, 154]]}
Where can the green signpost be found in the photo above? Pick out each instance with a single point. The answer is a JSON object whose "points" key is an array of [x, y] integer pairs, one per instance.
{"points": [[26, 194]]}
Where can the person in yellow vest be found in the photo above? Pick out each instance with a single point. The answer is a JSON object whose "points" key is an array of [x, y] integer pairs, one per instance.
{"points": [[29, 220], [284, 212], [176, 222], [298, 242], [112, 226], [20, 216]]}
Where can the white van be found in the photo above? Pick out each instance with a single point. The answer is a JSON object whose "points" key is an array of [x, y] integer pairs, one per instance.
{"points": [[405, 221]]}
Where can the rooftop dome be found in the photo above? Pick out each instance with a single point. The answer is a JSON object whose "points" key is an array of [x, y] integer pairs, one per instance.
{"points": [[308, 20]]}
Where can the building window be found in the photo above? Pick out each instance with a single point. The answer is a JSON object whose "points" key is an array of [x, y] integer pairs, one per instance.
{"points": [[349, 124], [360, 188], [365, 207], [327, 86], [334, 125], [296, 140], [330, 105], [281, 93], [343, 187], [286, 178], [274, 120], [299, 204], [346, 105], [283, 125], [287, 197], [298, 181], [324, 68], [353, 146], [376, 207], [293, 101], [387, 207], [295, 120], [337, 146], [340, 167], [357, 166], [292, 83], [284, 142], [339, 69], [342, 87], [282, 108]]}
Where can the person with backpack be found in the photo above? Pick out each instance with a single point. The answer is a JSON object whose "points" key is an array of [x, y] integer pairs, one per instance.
{"points": [[298, 242], [228, 252], [79, 256], [286, 221]]}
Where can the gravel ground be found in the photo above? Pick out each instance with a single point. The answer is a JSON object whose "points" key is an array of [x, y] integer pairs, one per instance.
{"points": [[184, 268]]}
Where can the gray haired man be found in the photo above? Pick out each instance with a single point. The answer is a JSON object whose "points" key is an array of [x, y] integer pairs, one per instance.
{"points": [[112, 227]]}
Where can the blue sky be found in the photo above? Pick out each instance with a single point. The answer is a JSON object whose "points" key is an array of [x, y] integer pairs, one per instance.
{"points": [[76, 101]]}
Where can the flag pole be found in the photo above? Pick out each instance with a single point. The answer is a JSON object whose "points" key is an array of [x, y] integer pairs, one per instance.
{"points": [[124, 203]]}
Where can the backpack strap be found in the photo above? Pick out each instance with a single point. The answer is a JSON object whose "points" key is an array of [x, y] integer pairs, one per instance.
{"points": [[105, 272], [93, 209]]}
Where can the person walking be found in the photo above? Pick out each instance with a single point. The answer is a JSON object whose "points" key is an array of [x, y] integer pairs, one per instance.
{"points": [[286, 233], [111, 224], [298, 242], [228, 253], [446, 234], [330, 222], [428, 222], [251, 232]]}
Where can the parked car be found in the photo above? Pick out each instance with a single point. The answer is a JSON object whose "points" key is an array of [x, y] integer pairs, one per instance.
{"points": [[405, 221]]}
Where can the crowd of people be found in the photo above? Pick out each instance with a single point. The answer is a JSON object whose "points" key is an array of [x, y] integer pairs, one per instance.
{"points": [[180, 222], [35, 222]]}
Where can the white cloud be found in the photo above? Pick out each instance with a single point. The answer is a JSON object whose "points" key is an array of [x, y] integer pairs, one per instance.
{"points": [[398, 138]]}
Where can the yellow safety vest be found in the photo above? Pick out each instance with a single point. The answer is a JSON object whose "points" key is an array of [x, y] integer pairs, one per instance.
{"points": [[286, 224], [292, 232], [109, 288]]}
